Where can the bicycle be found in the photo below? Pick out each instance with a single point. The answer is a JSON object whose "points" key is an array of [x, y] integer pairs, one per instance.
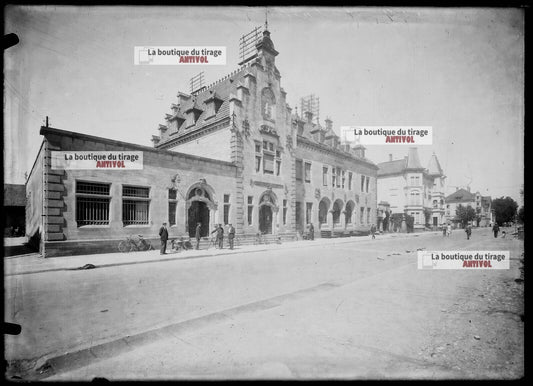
{"points": [[131, 244], [259, 239], [213, 242]]}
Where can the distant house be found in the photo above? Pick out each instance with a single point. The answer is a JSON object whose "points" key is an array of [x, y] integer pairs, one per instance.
{"points": [[14, 208], [412, 189], [481, 204]]}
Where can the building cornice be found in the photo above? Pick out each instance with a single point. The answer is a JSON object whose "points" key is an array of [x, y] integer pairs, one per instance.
{"points": [[329, 150], [192, 135]]}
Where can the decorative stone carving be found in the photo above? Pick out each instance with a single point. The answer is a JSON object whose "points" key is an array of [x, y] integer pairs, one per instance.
{"points": [[265, 129], [246, 128], [289, 142]]}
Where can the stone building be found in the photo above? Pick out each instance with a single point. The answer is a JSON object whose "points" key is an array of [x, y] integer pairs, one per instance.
{"points": [[412, 189], [232, 152], [291, 171]]}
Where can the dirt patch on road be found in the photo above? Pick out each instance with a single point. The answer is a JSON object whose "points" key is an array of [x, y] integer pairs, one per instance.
{"points": [[482, 334]]}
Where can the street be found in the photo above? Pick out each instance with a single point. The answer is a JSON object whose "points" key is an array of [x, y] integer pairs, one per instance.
{"points": [[350, 308]]}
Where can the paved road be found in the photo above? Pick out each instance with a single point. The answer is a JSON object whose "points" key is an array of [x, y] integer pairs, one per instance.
{"points": [[341, 308]]}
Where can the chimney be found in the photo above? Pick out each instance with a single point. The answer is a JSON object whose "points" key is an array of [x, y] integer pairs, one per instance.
{"points": [[329, 124], [309, 116], [390, 157], [359, 151], [456, 188]]}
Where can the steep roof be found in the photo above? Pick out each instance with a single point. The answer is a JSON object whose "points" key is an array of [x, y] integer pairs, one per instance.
{"points": [[220, 90], [434, 168], [413, 161], [392, 167], [461, 195]]}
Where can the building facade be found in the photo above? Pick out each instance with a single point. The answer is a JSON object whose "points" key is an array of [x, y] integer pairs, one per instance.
{"points": [[482, 206], [410, 188], [232, 152]]}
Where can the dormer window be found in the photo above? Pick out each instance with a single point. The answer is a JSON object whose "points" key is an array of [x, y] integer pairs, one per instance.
{"points": [[213, 104]]}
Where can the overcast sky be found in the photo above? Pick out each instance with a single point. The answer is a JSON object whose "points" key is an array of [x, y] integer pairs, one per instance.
{"points": [[460, 71]]}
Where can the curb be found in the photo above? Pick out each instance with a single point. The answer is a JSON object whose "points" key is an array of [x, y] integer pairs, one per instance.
{"points": [[337, 240]]}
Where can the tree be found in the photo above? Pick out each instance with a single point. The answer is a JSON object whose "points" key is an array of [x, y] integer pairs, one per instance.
{"points": [[504, 209], [386, 221], [465, 214], [410, 223], [521, 215], [427, 217], [396, 221]]}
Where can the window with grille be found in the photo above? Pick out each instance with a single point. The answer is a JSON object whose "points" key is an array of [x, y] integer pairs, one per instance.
{"points": [[308, 211], [307, 172], [226, 209], [135, 205], [92, 203], [250, 209], [172, 205], [299, 169], [268, 164]]}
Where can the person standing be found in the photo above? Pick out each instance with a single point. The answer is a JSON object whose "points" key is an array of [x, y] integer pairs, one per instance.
{"points": [[215, 231], [231, 236], [373, 231], [468, 231], [311, 231], [163, 233], [197, 234], [220, 236], [444, 230], [496, 229], [449, 230]]}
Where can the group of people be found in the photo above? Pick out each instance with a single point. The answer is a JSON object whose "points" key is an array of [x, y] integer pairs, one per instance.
{"points": [[186, 244], [219, 237], [447, 230]]}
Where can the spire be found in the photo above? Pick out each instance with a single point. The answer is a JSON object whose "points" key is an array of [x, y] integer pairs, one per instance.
{"points": [[413, 162], [434, 168], [266, 19]]}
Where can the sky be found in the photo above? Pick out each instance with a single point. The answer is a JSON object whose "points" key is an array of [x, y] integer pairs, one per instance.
{"points": [[460, 71]]}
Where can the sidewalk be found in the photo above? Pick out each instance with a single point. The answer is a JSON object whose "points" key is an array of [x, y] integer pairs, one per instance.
{"points": [[33, 263]]}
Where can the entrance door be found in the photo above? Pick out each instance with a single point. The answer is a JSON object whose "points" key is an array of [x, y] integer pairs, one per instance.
{"points": [[198, 212], [265, 219], [435, 221]]}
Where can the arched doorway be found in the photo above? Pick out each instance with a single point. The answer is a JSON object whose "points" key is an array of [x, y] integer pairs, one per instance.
{"points": [[199, 204], [323, 208], [267, 209], [336, 211], [349, 212], [265, 219]]}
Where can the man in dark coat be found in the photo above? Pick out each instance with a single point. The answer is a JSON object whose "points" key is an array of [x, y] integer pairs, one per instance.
{"points": [[163, 233], [311, 231], [496, 229], [468, 231], [231, 236], [220, 236], [373, 231], [197, 234]]}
